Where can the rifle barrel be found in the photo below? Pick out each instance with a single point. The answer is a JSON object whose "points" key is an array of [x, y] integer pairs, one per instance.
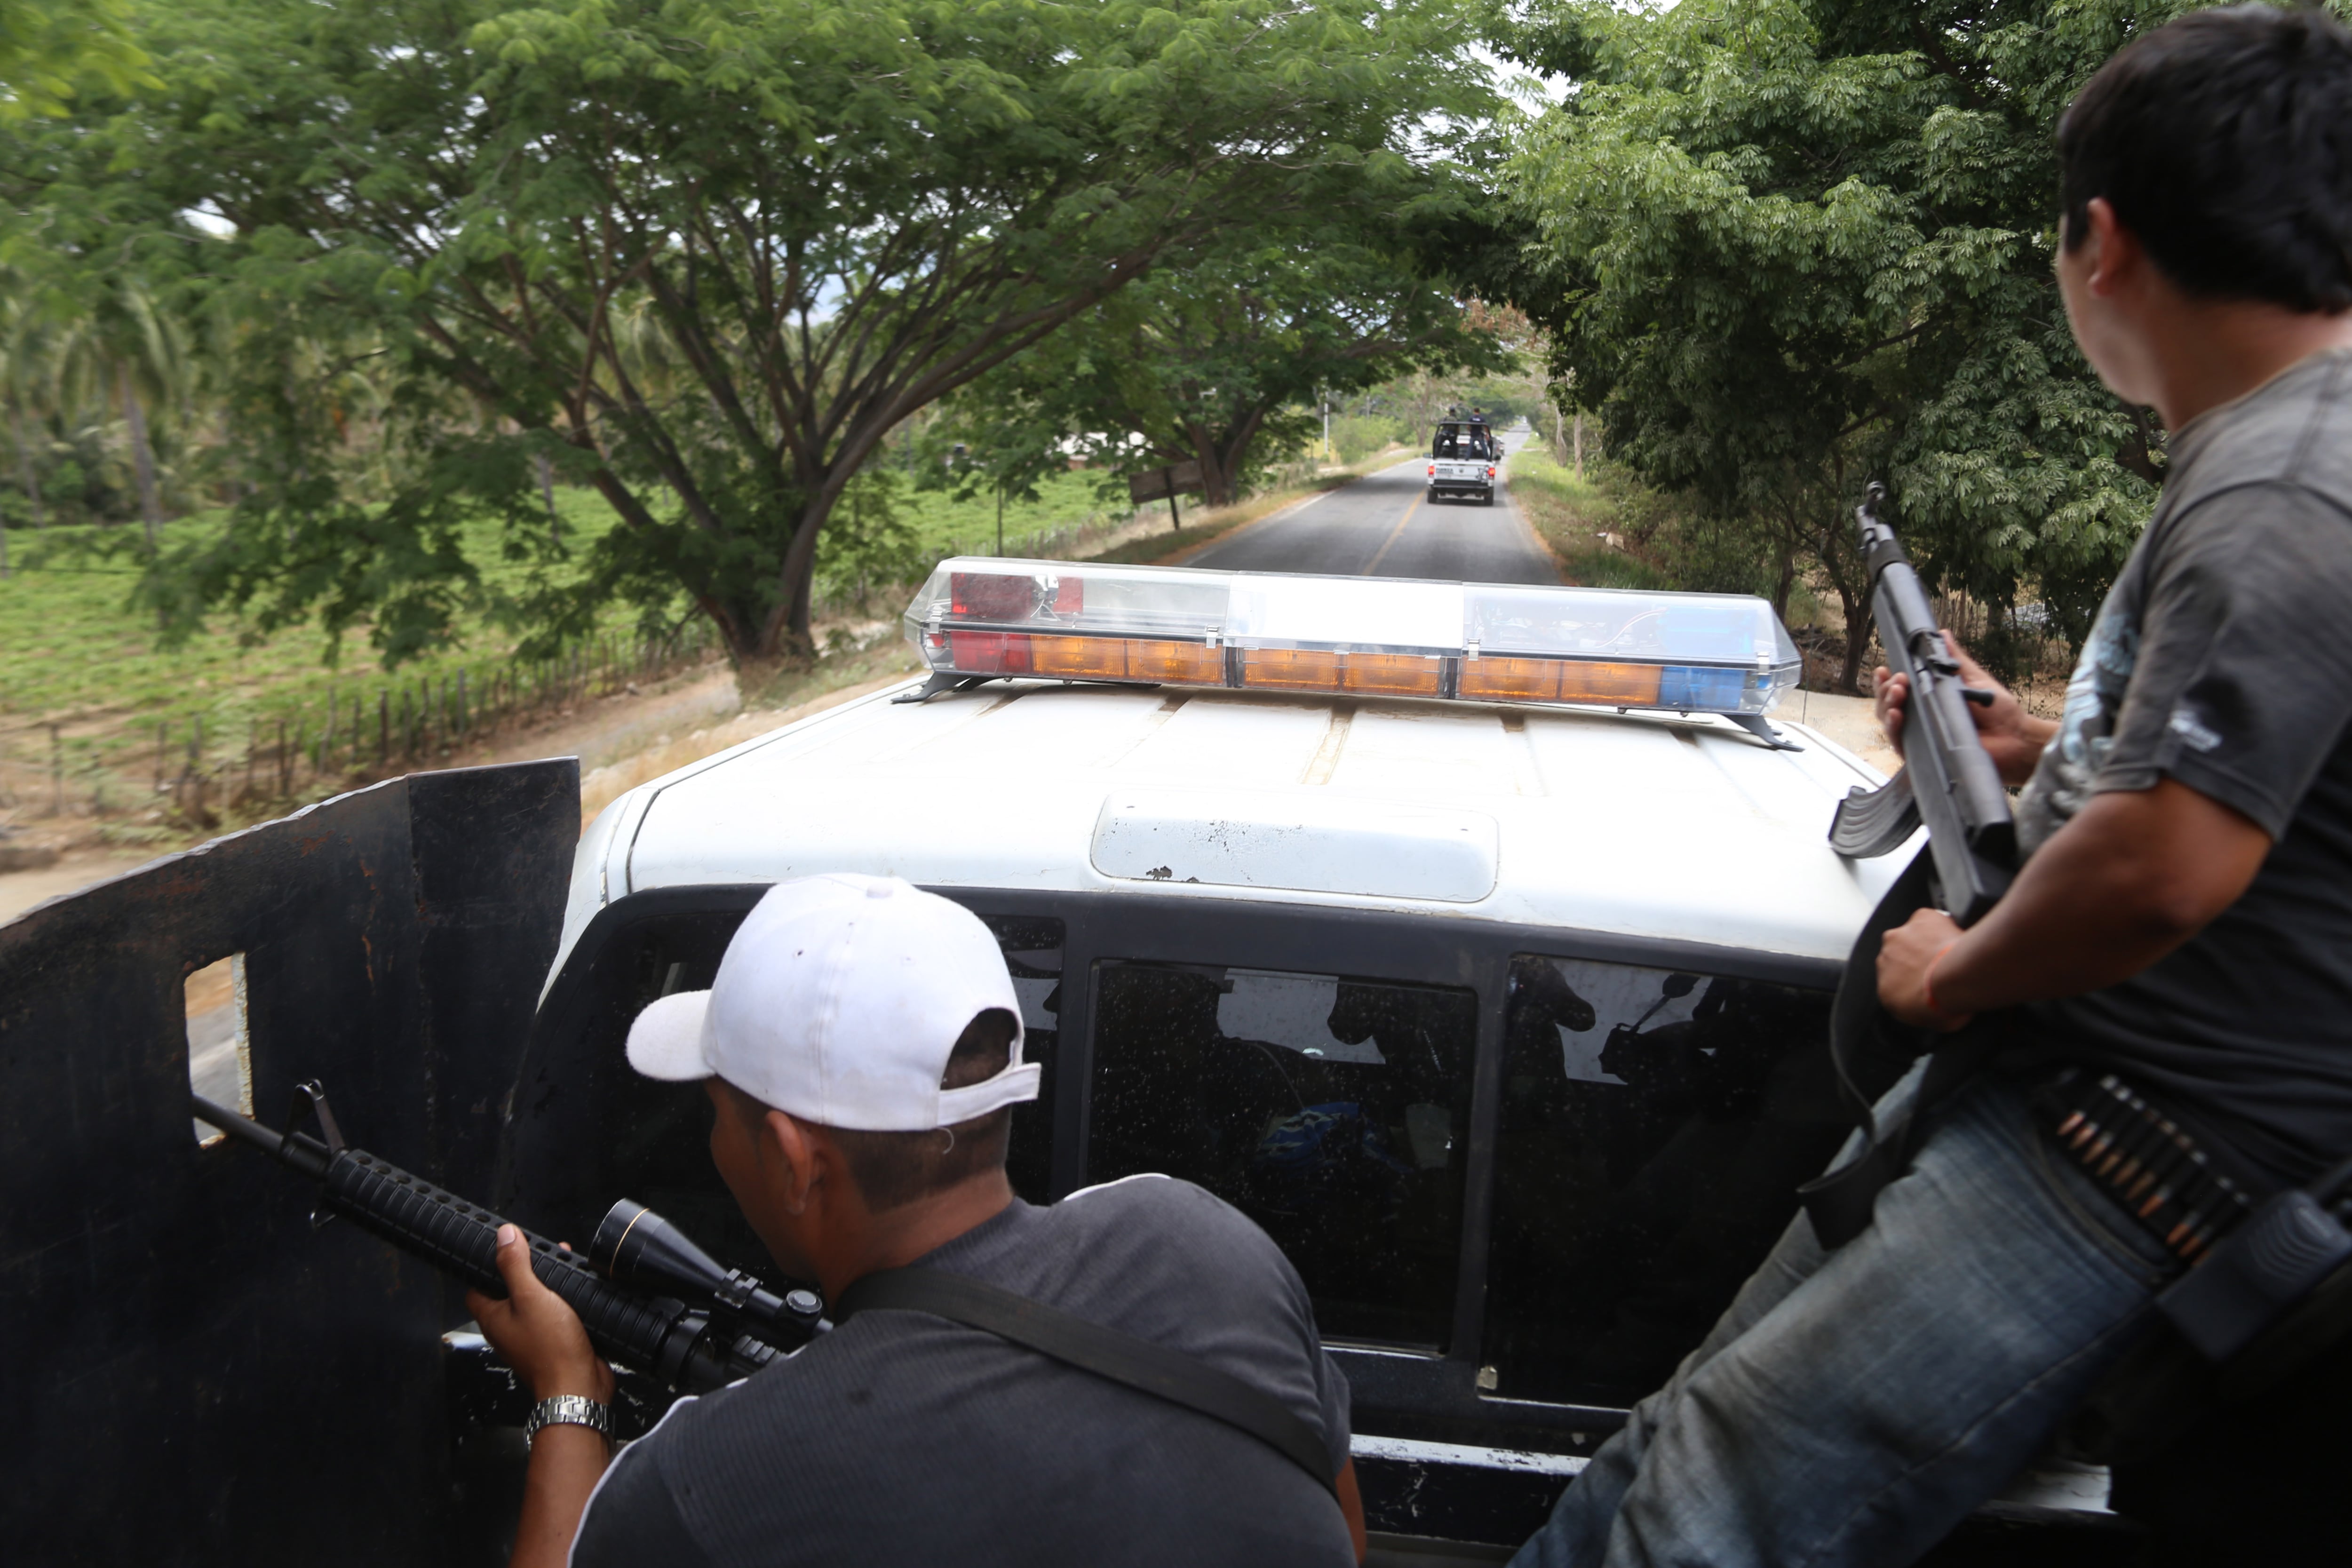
{"points": [[244, 1129], [656, 1333]]}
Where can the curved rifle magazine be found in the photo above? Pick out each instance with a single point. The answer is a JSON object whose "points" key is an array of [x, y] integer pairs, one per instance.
{"points": [[1871, 823]]}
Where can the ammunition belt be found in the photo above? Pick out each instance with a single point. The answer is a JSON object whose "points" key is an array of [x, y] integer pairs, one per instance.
{"points": [[2151, 1166]]}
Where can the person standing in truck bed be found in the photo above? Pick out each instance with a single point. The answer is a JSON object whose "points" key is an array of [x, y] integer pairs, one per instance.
{"points": [[2177, 952]]}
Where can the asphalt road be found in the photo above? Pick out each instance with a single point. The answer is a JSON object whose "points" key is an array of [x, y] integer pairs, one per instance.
{"points": [[1385, 525]]}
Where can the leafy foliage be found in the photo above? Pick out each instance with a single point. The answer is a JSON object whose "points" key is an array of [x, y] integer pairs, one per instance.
{"points": [[1783, 246], [699, 254], [1224, 361], [51, 49]]}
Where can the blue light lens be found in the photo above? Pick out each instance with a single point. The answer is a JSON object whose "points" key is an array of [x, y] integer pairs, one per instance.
{"points": [[1722, 629], [1695, 686]]}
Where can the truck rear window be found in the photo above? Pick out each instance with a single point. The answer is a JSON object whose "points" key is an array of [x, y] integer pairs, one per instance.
{"points": [[1332, 1112], [1655, 1127]]}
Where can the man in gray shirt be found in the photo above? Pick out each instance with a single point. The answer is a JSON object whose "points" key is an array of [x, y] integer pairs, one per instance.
{"points": [[862, 1049], [2176, 952]]}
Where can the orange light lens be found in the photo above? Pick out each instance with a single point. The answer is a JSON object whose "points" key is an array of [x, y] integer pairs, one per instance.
{"points": [[1512, 679], [1127, 658], [1373, 674], [1560, 681]]}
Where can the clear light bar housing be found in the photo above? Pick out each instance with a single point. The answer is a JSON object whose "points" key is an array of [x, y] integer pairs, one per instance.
{"points": [[1375, 637]]}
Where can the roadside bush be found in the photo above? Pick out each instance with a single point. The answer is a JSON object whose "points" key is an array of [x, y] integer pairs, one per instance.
{"points": [[1356, 436]]}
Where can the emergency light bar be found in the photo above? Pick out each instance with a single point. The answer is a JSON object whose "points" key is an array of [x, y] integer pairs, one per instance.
{"points": [[981, 617]]}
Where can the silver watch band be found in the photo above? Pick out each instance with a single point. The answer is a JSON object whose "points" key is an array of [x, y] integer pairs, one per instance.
{"points": [[569, 1410]]}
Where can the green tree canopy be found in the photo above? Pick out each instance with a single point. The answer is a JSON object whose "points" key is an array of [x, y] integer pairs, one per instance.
{"points": [[1785, 245], [1223, 360], [701, 254], [51, 49]]}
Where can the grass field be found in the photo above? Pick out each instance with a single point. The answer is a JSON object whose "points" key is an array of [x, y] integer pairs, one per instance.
{"points": [[92, 709], [1065, 503]]}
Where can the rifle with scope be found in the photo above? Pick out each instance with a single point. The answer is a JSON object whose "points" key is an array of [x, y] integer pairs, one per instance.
{"points": [[649, 1297], [1946, 781]]}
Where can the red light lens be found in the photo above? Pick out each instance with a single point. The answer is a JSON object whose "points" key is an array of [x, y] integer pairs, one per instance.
{"points": [[991, 596], [988, 653]]}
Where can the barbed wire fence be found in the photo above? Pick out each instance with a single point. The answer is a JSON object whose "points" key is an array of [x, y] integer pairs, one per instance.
{"points": [[198, 767], [195, 766]]}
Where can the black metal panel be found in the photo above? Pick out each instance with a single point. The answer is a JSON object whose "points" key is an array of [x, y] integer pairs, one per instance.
{"points": [[194, 1375], [493, 851]]}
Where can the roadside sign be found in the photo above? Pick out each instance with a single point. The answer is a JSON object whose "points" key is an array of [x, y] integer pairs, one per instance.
{"points": [[1153, 484]]}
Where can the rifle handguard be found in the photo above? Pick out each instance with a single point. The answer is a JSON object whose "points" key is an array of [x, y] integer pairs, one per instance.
{"points": [[654, 1334]]}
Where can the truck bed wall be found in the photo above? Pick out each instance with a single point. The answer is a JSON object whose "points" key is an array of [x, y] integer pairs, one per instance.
{"points": [[191, 1371]]}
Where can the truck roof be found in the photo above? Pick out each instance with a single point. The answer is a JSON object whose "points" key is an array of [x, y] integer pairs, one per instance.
{"points": [[1646, 825]]}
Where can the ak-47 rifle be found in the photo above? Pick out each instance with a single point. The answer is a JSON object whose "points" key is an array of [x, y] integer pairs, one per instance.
{"points": [[648, 1297], [1948, 780]]}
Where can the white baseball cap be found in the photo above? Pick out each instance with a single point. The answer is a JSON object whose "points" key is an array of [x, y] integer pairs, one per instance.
{"points": [[839, 1002]]}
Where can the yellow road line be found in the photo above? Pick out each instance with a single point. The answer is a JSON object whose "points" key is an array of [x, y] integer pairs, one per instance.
{"points": [[1395, 534]]}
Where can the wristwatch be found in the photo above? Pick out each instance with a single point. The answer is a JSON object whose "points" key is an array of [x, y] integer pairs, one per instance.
{"points": [[569, 1410]]}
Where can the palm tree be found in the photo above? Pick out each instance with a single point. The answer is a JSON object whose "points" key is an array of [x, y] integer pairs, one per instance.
{"points": [[127, 350]]}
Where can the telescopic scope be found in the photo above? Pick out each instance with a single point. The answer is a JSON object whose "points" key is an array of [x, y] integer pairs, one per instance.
{"points": [[634, 1246]]}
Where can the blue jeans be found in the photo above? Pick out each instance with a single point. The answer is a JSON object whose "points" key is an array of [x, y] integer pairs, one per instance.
{"points": [[1853, 1407]]}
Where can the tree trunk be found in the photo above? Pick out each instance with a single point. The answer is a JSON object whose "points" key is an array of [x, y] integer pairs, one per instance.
{"points": [[1857, 636], [1216, 479], [26, 474], [547, 491], [1784, 580], [1579, 443], [143, 456]]}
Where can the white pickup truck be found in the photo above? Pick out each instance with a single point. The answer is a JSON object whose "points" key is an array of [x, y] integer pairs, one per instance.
{"points": [[1462, 457], [1476, 941]]}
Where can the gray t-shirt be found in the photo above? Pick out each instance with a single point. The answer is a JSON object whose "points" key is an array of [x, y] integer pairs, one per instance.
{"points": [[2221, 659], [901, 1438]]}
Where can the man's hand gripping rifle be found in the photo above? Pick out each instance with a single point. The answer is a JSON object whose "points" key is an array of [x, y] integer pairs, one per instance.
{"points": [[648, 1297], [1948, 780]]}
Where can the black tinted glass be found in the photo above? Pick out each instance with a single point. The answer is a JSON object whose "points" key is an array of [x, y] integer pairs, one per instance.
{"points": [[1332, 1112], [1033, 951], [1655, 1127]]}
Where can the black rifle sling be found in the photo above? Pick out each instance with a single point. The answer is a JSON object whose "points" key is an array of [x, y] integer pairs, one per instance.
{"points": [[1840, 1202], [1107, 1352]]}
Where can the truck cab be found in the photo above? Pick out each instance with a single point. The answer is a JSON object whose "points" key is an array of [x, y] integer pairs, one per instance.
{"points": [[1462, 457]]}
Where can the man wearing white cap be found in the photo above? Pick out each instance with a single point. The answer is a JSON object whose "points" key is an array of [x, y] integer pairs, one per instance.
{"points": [[862, 1049]]}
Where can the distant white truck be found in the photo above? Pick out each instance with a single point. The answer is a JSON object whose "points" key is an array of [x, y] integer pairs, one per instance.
{"points": [[1463, 457]]}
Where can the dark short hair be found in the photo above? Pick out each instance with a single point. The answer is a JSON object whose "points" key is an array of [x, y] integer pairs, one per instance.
{"points": [[2223, 141], [894, 1169]]}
